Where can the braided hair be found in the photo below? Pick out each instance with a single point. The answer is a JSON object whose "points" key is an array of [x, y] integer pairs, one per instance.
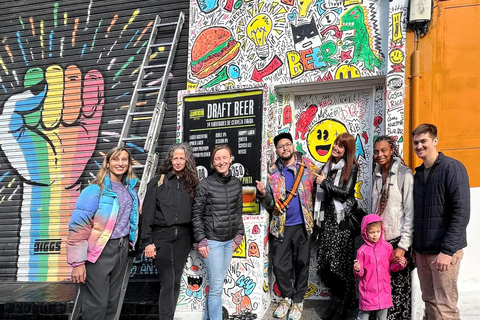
{"points": [[385, 193]]}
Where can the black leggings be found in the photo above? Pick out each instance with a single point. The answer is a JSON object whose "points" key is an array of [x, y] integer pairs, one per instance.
{"points": [[173, 246]]}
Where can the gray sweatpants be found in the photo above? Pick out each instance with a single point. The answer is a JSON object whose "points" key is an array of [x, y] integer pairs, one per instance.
{"points": [[101, 292]]}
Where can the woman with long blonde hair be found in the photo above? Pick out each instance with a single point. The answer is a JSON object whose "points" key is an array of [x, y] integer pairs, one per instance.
{"points": [[103, 226]]}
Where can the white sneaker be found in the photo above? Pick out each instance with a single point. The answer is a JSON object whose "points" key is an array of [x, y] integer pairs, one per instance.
{"points": [[296, 311], [283, 308]]}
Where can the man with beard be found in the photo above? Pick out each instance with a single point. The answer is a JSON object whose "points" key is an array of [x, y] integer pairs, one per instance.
{"points": [[288, 196]]}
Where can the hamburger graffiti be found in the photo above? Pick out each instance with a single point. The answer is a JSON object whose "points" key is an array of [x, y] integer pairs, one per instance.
{"points": [[213, 48]]}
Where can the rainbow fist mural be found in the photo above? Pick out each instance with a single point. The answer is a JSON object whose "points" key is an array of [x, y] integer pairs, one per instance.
{"points": [[57, 108]]}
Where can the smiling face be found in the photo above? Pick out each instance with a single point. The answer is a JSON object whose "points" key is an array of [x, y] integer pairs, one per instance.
{"points": [[424, 146], [285, 149], [178, 161], [321, 137], [338, 151], [382, 153], [221, 161], [118, 165]]}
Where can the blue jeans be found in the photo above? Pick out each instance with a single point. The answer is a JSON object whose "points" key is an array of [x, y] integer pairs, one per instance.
{"points": [[219, 257], [364, 315]]}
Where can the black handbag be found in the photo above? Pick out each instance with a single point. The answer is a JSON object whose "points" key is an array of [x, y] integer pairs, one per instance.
{"points": [[353, 221]]}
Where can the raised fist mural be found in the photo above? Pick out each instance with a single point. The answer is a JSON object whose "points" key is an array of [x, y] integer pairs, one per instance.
{"points": [[58, 108], [48, 134]]}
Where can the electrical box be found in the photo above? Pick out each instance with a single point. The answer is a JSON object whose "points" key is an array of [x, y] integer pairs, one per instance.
{"points": [[420, 11]]}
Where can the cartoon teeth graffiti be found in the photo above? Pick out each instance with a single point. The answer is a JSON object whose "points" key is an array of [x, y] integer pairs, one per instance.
{"points": [[321, 137], [194, 275]]}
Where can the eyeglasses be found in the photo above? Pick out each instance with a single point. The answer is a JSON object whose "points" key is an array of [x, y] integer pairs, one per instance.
{"points": [[285, 146]]}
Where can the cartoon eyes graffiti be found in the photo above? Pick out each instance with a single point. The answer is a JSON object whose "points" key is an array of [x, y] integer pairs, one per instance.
{"points": [[325, 134]]}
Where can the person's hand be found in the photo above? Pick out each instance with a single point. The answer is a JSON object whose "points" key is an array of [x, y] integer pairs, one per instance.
{"points": [[442, 261], [204, 251], [402, 261], [356, 265], [261, 187], [320, 177], [79, 274], [150, 251], [397, 254]]}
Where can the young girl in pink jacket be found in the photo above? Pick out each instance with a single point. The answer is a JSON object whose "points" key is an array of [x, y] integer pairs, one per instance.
{"points": [[372, 267]]}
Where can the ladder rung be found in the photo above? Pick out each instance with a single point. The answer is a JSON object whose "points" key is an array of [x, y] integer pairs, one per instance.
{"points": [[148, 89], [162, 44], [140, 113], [138, 166], [134, 138], [165, 24], [155, 66]]}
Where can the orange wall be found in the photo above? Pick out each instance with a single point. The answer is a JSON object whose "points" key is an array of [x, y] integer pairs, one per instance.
{"points": [[450, 82]]}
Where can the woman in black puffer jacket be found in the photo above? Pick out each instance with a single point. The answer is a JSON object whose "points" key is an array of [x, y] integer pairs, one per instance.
{"points": [[218, 224]]}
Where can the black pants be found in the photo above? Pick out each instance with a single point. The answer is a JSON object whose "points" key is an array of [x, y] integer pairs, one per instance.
{"points": [[173, 246], [101, 292], [291, 261]]}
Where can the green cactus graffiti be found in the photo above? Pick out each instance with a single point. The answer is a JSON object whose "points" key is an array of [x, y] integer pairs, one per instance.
{"points": [[354, 19]]}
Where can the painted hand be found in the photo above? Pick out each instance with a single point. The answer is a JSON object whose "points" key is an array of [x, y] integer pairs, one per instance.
{"points": [[49, 132], [51, 127]]}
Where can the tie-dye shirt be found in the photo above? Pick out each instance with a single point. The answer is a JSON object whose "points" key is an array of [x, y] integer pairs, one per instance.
{"points": [[122, 226]]}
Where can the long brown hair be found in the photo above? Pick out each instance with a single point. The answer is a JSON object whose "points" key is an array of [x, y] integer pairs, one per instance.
{"points": [[104, 170], [347, 141], [189, 173]]}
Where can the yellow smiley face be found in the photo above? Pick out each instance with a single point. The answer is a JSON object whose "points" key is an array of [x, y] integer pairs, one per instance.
{"points": [[396, 56], [347, 72], [321, 137]]}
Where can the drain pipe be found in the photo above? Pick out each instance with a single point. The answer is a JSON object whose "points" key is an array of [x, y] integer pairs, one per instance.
{"points": [[415, 93]]}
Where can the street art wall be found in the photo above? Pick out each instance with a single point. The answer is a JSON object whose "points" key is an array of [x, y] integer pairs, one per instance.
{"points": [[248, 42], [67, 72], [240, 44]]}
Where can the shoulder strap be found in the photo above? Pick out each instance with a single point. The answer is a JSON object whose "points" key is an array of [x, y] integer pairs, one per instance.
{"points": [[283, 204], [402, 171], [160, 181]]}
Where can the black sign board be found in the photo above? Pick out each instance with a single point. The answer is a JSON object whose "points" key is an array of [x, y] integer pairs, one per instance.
{"points": [[234, 119]]}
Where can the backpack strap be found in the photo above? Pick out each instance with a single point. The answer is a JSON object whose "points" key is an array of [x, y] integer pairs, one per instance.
{"points": [[402, 171], [160, 181]]}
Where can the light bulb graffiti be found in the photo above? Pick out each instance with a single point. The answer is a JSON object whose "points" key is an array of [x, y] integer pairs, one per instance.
{"points": [[258, 30]]}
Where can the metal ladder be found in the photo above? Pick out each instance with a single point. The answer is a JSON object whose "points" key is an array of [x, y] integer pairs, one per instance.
{"points": [[151, 138], [160, 105]]}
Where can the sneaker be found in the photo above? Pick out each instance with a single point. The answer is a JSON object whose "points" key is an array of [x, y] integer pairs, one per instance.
{"points": [[282, 308], [296, 311]]}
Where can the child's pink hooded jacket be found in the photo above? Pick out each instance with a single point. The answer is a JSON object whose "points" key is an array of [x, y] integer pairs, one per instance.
{"points": [[374, 287]]}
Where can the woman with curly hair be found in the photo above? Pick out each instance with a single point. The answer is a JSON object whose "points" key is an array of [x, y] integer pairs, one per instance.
{"points": [[166, 222]]}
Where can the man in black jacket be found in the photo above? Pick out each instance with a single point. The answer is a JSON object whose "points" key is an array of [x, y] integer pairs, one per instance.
{"points": [[441, 214]]}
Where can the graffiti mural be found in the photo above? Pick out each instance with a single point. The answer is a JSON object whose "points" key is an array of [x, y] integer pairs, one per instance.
{"points": [[394, 124], [284, 41], [66, 75]]}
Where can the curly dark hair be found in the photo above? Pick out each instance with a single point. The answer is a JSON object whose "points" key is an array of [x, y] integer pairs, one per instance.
{"points": [[189, 173]]}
